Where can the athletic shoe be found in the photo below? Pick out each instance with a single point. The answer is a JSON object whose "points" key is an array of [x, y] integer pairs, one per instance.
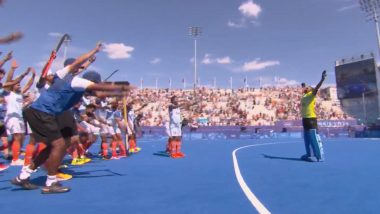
{"points": [[174, 155], [17, 162], [307, 158], [105, 158], [77, 161], [137, 149], [122, 156], [85, 159], [115, 158], [63, 177], [55, 187], [24, 183], [180, 154], [131, 150], [3, 167]]}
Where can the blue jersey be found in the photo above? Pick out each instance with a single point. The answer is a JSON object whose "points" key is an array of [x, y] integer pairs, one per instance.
{"points": [[66, 91]]}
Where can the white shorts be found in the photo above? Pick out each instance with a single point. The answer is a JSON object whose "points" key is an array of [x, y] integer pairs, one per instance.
{"points": [[90, 128], [130, 131], [104, 129], [113, 130], [175, 131], [15, 125]]}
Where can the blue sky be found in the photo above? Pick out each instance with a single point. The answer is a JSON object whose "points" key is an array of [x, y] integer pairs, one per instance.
{"points": [[294, 40]]}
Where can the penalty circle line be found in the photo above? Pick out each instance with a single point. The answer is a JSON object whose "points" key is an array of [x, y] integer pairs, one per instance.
{"points": [[247, 191]]}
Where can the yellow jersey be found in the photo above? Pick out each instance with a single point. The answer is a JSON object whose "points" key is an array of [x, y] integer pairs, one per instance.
{"points": [[308, 105]]}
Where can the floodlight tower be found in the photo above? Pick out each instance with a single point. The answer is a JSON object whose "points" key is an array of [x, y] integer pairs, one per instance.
{"points": [[195, 32], [371, 8], [66, 41]]}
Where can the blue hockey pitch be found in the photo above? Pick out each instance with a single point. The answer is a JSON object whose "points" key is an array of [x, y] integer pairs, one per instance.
{"points": [[271, 177]]}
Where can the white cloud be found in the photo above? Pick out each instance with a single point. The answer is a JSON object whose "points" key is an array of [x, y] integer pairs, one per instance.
{"points": [[155, 61], [256, 65], [118, 50], [267, 81], [240, 24], [250, 9], [348, 7], [55, 34], [208, 60], [224, 60], [286, 82]]}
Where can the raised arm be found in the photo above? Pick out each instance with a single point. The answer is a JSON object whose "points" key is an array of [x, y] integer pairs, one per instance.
{"points": [[86, 65], [30, 81], [5, 59], [105, 94], [109, 87], [11, 38], [77, 64], [315, 90], [14, 66], [17, 80]]}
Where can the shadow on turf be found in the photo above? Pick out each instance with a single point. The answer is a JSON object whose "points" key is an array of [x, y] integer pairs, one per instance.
{"points": [[40, 181], [87, 174], [5, 188], [281, 158]]}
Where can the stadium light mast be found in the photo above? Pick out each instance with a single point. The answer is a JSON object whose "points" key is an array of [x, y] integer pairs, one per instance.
{"points": [[66, 41], [195, 32], [371, 8]]}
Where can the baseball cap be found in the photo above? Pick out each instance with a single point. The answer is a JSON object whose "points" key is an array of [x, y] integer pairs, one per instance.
{"points": [[93, 76], [68, 61]]}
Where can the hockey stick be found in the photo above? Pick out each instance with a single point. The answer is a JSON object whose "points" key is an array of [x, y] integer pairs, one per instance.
{"points": [[111, 74], [53, 55], [125, 123]]}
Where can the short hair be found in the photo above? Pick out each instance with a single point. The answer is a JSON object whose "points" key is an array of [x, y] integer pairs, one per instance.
{"points": [[173, 98], [2, 71]]}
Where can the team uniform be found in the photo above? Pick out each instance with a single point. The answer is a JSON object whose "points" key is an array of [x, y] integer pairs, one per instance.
{"points": [[175, 121], [3, 131], [50, 119], [14, 123], [174, 130], [52, 108], [313, 144], [101, 115], [131, 131], [114, 116]]}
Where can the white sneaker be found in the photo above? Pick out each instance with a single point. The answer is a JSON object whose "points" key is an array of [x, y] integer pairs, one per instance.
{"points": [[17, 162]]}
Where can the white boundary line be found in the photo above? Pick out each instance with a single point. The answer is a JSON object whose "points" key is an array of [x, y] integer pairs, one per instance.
{"points": [[251, 197]]}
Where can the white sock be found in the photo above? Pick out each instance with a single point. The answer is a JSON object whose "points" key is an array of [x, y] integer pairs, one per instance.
{"points": [[51, 179], [25, 172]]}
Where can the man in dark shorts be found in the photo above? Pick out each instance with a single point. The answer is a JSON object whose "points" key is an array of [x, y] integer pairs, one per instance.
{"points": [[313, 145]]}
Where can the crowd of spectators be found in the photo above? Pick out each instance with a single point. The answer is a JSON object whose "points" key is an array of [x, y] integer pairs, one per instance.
{"points": [[221, 107]]}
